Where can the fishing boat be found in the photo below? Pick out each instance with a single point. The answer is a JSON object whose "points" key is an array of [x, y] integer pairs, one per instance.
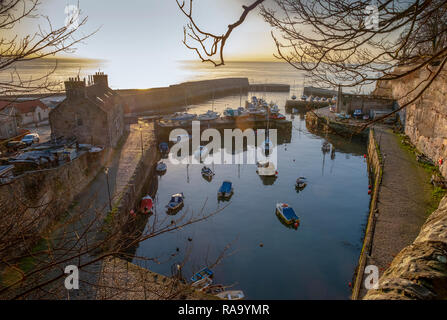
{"points": [[207, 116], [202, 274], [266, 168], [146, 204], [207, 172], [163, 147], [301, 183], [161, 166], [225, 190], [231, 295], [287, 214], [176, 201]]}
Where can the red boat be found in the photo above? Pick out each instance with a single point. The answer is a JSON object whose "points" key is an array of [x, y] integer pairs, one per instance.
{"points": [[277, 116], [146, 204]]}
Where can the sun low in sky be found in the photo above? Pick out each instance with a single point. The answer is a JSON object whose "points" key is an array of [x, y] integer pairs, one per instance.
{"points": [[141, 40]]}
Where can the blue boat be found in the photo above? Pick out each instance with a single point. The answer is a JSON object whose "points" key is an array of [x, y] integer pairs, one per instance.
{"points": [[176, 201], [202, 274], [164, 147], [287, 213], [225, 190]]}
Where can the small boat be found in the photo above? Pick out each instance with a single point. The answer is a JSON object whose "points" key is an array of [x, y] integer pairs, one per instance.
{"points": [[176, 201], [202, 283], [146, 204], [300, 183], [358, 114], [161, 167], [274, 109], [202, 274], [266, 168], [207, 116], [277, 116], [287, 214], [294, 97], [326, 147], [303, 97], [163, 147], [207, 172], [225, 190], [231, 295]]}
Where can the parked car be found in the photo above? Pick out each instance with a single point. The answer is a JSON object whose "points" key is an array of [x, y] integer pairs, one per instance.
{"points": [[15, 145], [31, 138]]}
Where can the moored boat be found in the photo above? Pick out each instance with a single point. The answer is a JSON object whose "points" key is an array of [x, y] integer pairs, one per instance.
{"points": [[266, 168], [146, 204], [207, 172], [225, 190], [163, 147], [202, 274], [301, 183], [287, 214], [176, 201], [207, 116], [161, 167], [182, 116]]}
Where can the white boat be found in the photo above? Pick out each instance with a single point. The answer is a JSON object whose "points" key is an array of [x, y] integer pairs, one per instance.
{"points": [[266, 168], [161, 166], [209, 115], [181, 116], [231, 295]]}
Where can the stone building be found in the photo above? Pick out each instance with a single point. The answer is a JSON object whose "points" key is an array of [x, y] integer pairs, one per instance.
{"points": [[8, 124], [31, 111], [91, 112]]}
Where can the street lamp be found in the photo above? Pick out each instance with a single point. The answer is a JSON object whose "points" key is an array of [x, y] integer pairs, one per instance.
{"points": [[106, 170]]}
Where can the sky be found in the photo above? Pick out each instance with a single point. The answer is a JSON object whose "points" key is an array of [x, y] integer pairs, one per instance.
{"points": [[139, 38]]}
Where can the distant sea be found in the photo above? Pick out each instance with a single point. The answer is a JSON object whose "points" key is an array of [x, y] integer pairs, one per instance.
{"points": [[181, 71]]}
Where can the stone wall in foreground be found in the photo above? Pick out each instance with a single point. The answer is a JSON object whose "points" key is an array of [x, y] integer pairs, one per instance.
{"points": [[419, 271]]}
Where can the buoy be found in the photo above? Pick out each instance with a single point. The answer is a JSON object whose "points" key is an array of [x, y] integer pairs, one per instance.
{"points": [[369, 191], [296, 225], [132, 213], [276, 172], [350, 284], [261, 244], [364, 156], [370, 186]]}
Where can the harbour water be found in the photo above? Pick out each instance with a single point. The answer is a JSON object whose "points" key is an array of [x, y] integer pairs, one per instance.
{"points": [[265, 258]]}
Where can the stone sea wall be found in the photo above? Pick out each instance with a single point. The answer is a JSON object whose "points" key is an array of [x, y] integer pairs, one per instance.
{"points": [[39, 198], [158, 99], [426, 118]]}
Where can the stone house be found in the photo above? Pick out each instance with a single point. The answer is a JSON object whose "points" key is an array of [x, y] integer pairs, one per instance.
{"points": [[8, 123], [347, 103], [91, 112], [30, 112]]}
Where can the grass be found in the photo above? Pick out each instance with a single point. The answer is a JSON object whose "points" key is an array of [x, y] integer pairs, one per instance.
{"points": [[437, 193]]}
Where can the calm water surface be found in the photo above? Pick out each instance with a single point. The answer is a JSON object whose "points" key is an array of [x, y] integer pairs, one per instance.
{"points": [[316, 261]]}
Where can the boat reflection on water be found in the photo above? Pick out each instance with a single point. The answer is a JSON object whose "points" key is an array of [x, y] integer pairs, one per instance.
{"points": [[268, 180]]}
